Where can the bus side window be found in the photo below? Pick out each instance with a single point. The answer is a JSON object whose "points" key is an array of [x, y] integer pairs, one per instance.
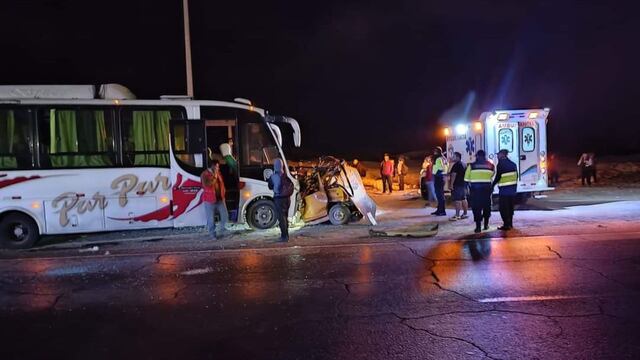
{"points": [[15, 139], [76, 137], [145, 135]]}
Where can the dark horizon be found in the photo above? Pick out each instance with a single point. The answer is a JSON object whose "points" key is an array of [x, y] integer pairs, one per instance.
{"points": [[362, 78]]}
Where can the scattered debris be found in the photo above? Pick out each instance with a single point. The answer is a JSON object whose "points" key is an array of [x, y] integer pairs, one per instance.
{"points": [[417, 231], [90, 249], [197, 271]]}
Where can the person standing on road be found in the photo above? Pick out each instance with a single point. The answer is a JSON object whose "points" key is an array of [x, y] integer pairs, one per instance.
{"points": [[386, 171], [507, 181], [214, 198], [426, 178], [402, 171], [594, 172], [282, 188], [458, 187], [585, 164], [479, 175], [439, 170]]}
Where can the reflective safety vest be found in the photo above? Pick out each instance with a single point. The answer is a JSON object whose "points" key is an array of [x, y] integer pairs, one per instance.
{"points": [[507, 177], [439, 167], [479, 173]]}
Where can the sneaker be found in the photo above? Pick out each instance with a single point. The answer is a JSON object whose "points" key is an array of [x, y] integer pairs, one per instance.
{"points": [[477, 230], [455, 218], [464, 216], [441, 214], [504, 228], [284, 239], [486, 227], [435, 212]]}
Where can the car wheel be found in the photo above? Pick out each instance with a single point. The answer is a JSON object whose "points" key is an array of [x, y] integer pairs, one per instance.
{"points": [[18, 231], [339, 214], [262, 214]]}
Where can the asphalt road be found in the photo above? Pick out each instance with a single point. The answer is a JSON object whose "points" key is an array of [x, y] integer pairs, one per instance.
{"points": [[546, 297]]}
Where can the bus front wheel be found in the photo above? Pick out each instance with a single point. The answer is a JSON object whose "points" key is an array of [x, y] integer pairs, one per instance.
{"points": [[18, 231], [262, 214]]}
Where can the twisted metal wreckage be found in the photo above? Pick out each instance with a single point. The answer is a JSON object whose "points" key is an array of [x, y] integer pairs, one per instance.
{"points": [[333, 191]]}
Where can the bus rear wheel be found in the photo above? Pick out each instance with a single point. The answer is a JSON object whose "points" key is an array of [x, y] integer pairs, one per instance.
{"points": [[18, 231], [262, 214]]}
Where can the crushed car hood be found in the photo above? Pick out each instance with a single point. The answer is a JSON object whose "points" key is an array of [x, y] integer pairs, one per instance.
{"points": [[352, 182]]}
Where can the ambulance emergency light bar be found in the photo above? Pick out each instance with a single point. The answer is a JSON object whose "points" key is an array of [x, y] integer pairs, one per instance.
{"points": [[462, 129]]}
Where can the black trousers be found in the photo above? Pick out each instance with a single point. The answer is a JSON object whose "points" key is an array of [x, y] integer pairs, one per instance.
{"points": [[438, 183], [585, 174], [387, 183], [401, 180], [282, 210], [507, 205], [481, 202]]}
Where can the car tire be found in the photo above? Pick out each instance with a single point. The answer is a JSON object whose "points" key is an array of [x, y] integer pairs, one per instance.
{"points": [[261, 214], [18, 231], [339, 214]]}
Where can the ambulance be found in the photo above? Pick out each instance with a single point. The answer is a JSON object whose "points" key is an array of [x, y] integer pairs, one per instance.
{"points": [[522, 132]]}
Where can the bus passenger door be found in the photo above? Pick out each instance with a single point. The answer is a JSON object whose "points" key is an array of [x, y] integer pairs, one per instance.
{"points": [[218, 132], [188, 161]]}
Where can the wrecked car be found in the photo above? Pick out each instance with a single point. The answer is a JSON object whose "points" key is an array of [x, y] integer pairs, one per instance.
{"points": [[333, 191]]}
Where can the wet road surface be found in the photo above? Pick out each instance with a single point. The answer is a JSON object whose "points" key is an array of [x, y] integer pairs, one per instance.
{"points": [[554, 297]]}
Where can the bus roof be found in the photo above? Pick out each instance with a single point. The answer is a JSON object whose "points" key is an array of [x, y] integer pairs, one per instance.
{"points": [[108, 94]]}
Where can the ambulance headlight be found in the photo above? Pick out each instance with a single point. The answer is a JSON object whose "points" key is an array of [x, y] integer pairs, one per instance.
{"points": [[503, 116], [477, 126], [461, 129], [533, 115], [447, 132]]}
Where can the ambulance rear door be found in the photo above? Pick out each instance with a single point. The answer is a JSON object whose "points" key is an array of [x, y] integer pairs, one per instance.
{"points": [[529, 170]]}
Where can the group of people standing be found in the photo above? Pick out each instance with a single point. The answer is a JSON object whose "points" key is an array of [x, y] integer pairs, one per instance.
{"points": [[389, 169], [473, 185]]}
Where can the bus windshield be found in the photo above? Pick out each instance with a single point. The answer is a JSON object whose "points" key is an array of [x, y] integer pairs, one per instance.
{"points": [[259, 147]]}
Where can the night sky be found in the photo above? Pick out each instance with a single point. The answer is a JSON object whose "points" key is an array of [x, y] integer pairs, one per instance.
{"points": [[361, 77]]}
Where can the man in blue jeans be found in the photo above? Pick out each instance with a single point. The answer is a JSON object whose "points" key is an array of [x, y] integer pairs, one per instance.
{"points": [[214, 198]]}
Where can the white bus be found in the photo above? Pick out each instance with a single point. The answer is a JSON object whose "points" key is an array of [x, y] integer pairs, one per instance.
{"points": [[73, 160], [522, 132]]}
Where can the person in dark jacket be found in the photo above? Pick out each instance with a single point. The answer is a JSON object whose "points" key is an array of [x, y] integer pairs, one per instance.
{"points": [[282, 202], [479, 174], [507, 180], [402, 169]]}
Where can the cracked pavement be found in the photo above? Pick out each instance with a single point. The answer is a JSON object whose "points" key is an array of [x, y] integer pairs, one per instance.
{"points": [[551, 297]]}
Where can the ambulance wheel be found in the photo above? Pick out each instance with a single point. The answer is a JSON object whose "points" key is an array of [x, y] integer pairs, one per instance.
{"points": [[18, 231], [262, 214], [339, 214]]}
